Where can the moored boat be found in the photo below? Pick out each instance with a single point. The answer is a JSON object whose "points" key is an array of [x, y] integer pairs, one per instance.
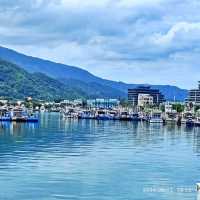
{"points": [[125, 116], [197, 122], [156, 117], [190, 122], [103, 115], [136, 117], [86, 114], [5, 115], [20, 115], [186, 117]]}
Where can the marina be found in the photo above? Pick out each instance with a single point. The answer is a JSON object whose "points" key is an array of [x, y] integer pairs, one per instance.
{"points": [[157, 115]]}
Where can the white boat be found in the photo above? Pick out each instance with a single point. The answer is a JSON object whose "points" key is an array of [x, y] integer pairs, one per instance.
{"points": [[171, 117], [197, 122], [156, 117], [103, 115], [86, 114], [71, 113], [42, 109]]}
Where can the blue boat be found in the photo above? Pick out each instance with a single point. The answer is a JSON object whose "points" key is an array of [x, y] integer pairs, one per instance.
{"points": [[135, 117], [5, 115], [86, 115], [5, 119], [103, 115], [19, 115], [190, 122]]}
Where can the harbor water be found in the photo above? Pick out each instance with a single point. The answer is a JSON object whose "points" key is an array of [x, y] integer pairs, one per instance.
{"points": [[98, 160]]}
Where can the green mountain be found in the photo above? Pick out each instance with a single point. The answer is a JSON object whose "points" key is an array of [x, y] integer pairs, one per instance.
{"points": [[16, 83], [81, 80]]}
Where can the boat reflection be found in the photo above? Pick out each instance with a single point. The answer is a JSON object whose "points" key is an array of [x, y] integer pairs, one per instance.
{"points": [[53, 129]]}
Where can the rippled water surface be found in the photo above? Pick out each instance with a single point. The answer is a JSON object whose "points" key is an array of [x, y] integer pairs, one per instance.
{"points": [[98, 160]]}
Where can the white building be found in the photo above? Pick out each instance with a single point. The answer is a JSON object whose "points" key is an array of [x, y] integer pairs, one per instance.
{"points": [[145, 99]]}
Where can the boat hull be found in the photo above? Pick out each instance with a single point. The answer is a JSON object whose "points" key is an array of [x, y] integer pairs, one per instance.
{"points": [[156, 121]]}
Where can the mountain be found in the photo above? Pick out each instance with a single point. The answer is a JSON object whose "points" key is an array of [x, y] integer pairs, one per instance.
{"points": [[82, 79], [16, 83]]}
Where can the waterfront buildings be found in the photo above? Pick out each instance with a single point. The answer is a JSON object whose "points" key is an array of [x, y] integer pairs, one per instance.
{"points": [[103, 103], [145, 95], [194, 96]]}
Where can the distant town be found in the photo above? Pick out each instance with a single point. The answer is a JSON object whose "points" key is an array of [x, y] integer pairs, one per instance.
{"points": [[143, 104]]}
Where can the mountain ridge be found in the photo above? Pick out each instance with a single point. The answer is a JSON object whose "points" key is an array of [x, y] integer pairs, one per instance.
{"points": [[65, 73]]}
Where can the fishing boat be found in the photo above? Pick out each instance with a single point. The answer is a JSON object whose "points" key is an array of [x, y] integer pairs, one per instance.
{"points": [[70, 113], [197, 122], [125, 116], [171, 117], [156, 117], [20, 115], [103, 115], [135, 117], [86, 114], [190, 122], [144, 116], [42, 109], [114, 114], [5, 115], [186, 117]]}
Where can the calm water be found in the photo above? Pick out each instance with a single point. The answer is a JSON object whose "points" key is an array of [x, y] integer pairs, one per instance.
{"points": [[91, 160]]}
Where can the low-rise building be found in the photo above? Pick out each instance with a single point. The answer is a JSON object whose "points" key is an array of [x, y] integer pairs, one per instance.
{"points": [[103, 103]]}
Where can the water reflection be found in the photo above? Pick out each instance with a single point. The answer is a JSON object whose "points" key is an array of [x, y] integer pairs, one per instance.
{"points": [[53, 128], [17, 129], [83, 159], [198, 195]]}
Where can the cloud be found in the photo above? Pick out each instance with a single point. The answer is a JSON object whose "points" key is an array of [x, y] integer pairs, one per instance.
{"points": [[140, 36], [183, 32]]}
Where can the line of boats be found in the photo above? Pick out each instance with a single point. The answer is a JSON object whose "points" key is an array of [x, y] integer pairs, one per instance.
{"points": [[190, 119], [18, 114], [155, 116]]}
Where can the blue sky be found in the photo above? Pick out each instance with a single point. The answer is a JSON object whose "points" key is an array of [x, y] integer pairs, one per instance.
{"points": [[136, 41]]}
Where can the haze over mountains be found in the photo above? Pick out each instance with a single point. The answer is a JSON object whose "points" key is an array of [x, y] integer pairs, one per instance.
{"points": [[80, 82]]}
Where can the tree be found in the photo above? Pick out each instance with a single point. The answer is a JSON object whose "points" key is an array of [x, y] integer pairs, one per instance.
{"points": [[178, 107]]}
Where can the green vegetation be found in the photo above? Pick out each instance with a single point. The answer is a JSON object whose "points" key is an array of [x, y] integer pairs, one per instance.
{"points": [[16, 83], [94, 89], [178, 107]]}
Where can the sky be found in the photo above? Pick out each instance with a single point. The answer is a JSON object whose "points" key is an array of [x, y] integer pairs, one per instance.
{"points": [[135, 41]]}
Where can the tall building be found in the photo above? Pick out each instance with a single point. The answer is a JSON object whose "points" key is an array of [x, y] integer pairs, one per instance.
{"points": [[194, 96], [154, 95]]}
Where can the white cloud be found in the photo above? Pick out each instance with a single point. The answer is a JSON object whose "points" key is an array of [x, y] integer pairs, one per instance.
{"points": [[181, 30], [135, 3], [87, 3], [140, 36]]}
